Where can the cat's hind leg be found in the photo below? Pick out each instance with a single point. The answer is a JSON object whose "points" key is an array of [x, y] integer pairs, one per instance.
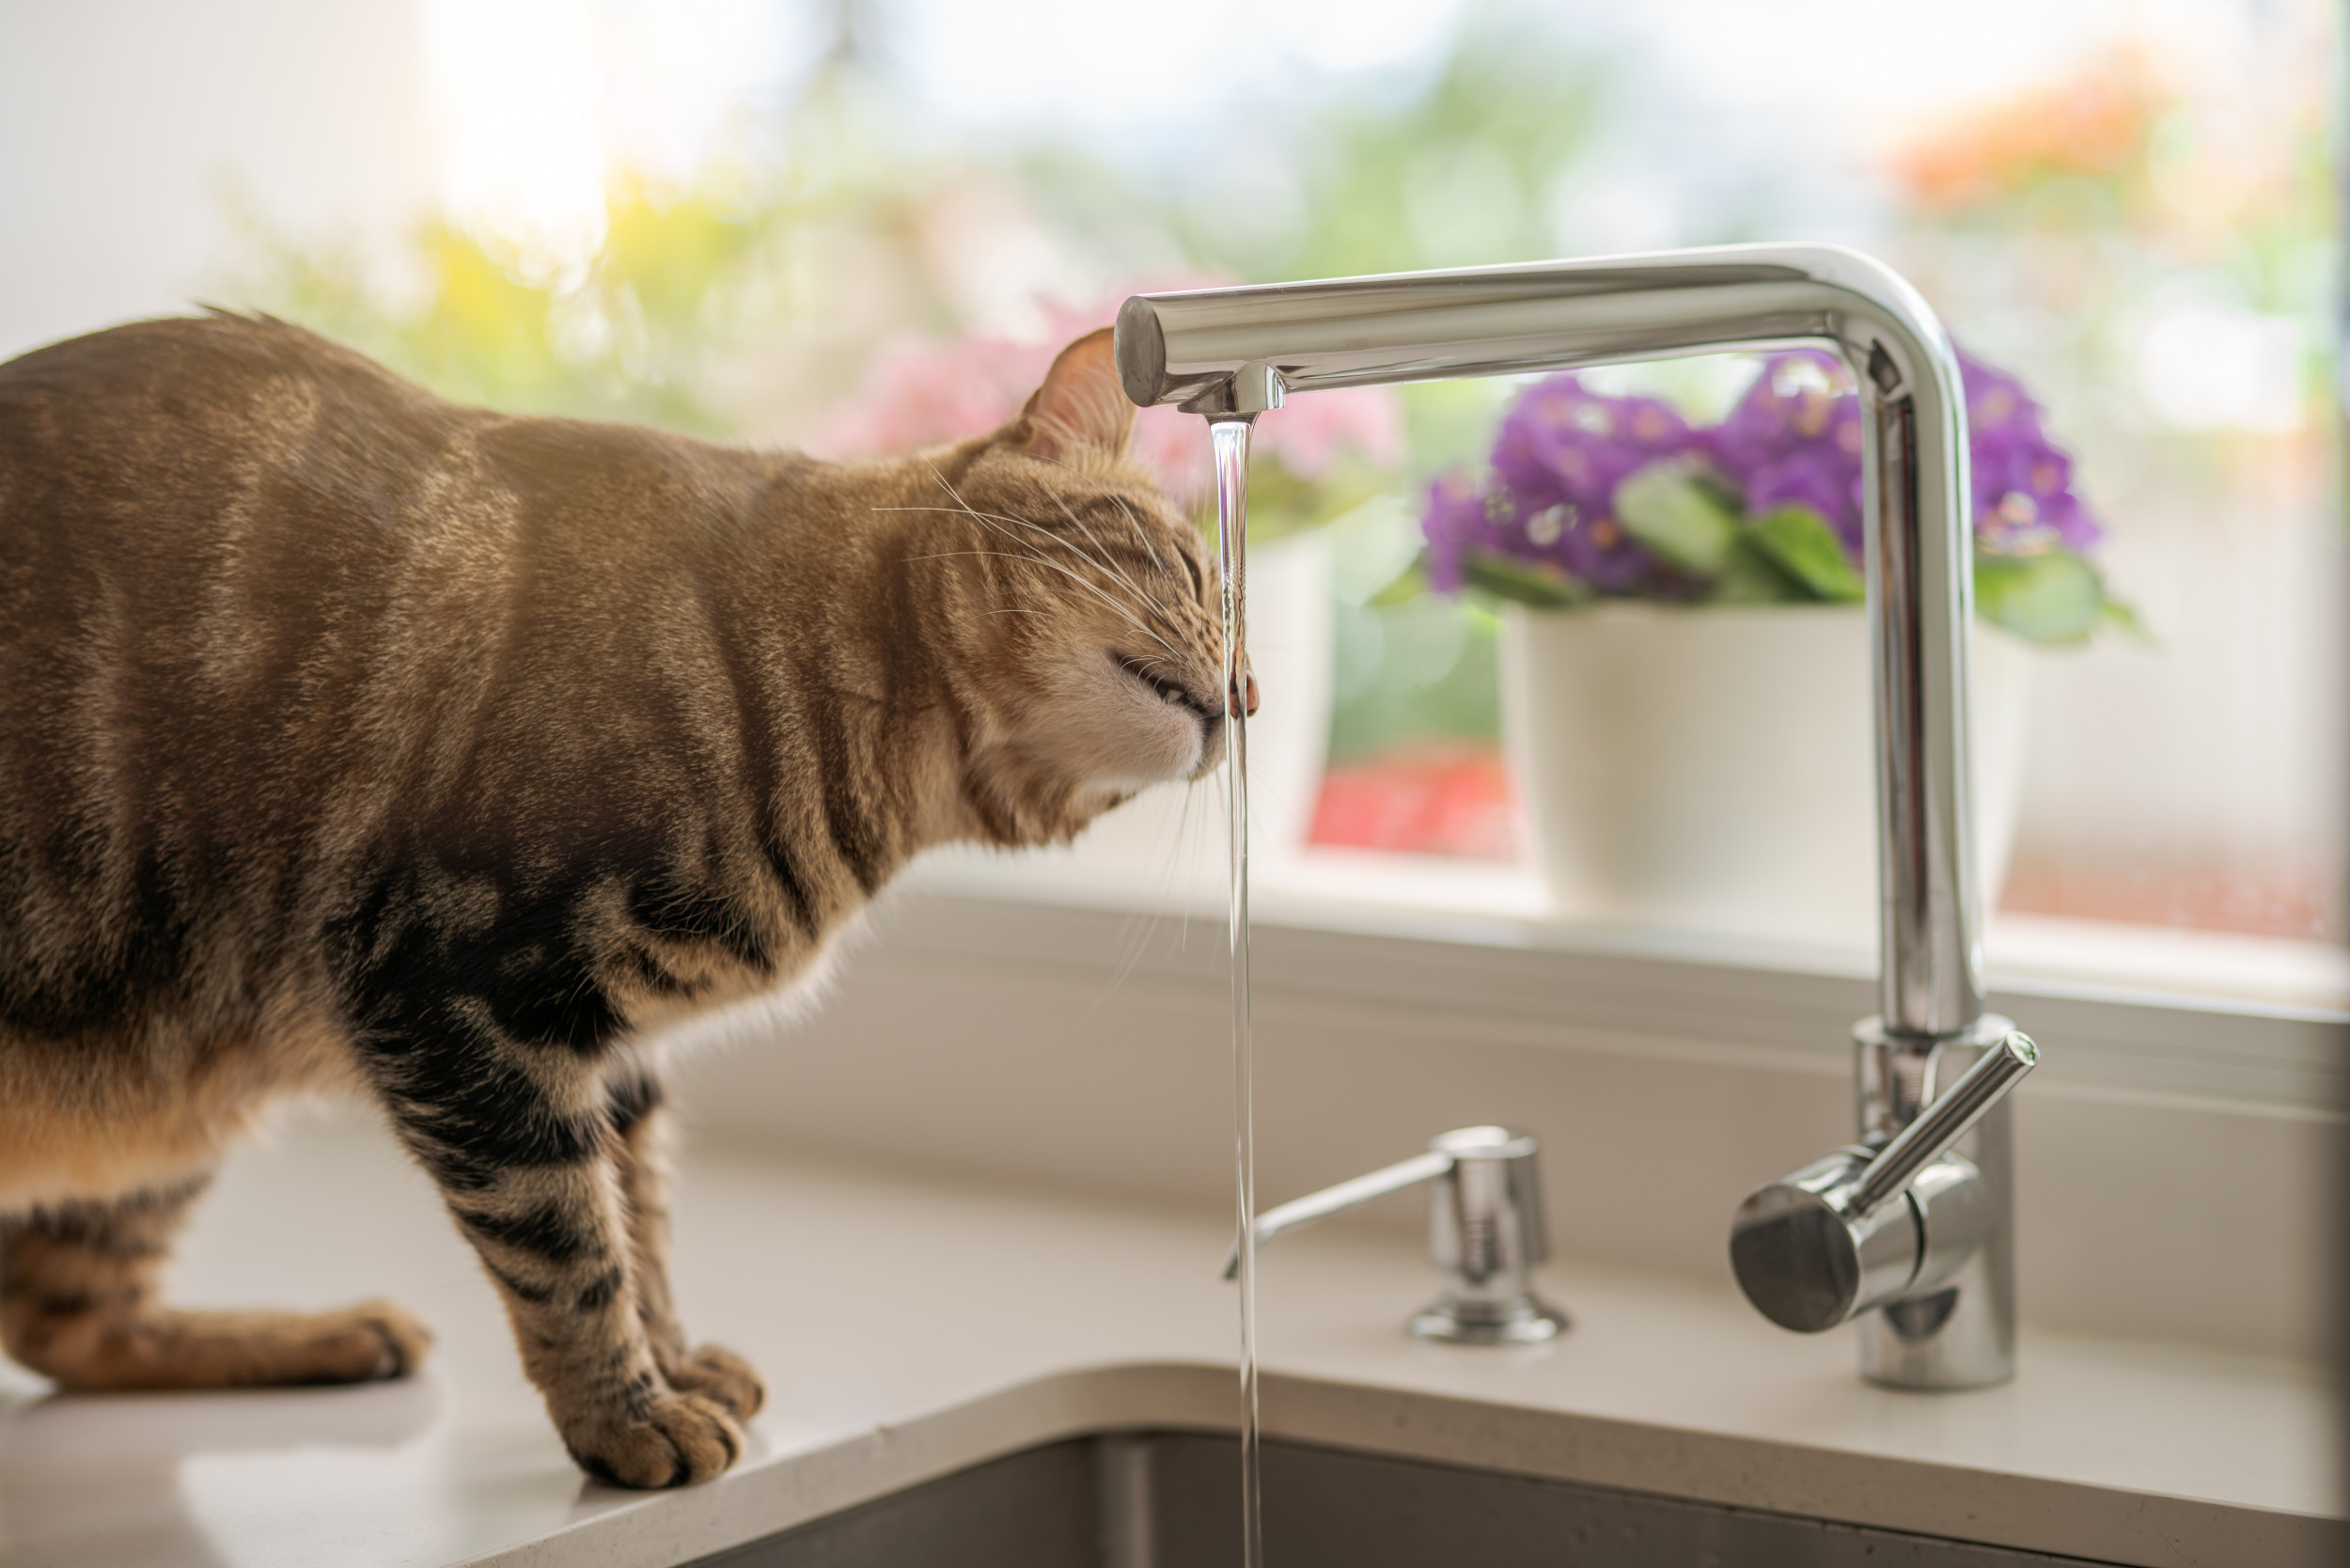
{"points": [[78, 1304]]}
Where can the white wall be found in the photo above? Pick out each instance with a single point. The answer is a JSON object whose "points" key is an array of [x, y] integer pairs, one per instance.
{"points": [[121, 120]]}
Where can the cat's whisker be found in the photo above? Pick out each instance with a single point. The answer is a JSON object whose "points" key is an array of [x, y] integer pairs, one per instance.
{"points": [[1145, 601], [1066, 511], [1079, 578], [1022, 557], [1074, 548], [951, 554], [1147, 604], [1141, 534], [1029, 556], [1099, 562]]}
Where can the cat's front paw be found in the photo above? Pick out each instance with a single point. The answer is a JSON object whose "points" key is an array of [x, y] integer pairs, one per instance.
{"points": [[721, 1375], [673, 1442]]}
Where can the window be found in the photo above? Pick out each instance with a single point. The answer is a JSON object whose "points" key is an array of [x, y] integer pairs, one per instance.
{"points": [[767, 218]]}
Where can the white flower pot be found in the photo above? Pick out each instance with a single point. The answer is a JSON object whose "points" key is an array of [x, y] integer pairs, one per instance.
{"points": [[1711, 768], [1177, 832]]}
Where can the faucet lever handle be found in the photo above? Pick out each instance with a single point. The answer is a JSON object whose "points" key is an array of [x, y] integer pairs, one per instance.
{"points": [[1344, 1195], [1834, 1240], [1941, 1124]]}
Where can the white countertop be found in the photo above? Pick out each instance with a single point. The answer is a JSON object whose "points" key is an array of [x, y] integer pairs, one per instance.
{"points": [[909, 1325]]}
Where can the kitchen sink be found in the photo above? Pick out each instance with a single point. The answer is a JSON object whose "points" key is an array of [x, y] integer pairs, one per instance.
{"points": [[1170, 1499]]}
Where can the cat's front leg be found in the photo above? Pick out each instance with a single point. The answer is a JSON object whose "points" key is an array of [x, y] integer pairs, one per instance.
{"points": [[639, 1121], [520, 1138]]}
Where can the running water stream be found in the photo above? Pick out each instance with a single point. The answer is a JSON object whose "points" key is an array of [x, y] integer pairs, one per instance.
{"points": [[1230, 433]]}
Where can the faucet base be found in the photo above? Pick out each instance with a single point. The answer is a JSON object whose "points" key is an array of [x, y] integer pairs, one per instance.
{"points": [[1521, 1320], [1961, 1337], [1960, 1334]]}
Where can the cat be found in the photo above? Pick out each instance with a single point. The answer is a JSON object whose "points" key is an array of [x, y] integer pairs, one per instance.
{"points": [[351, 740]]}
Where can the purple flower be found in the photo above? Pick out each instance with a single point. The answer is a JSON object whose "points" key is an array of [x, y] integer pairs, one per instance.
{"points": [[2023, 481], [1454, 522], [1795, 438], [1561, 451]]}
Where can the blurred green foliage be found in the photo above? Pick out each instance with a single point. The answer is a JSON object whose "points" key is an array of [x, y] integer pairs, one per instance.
{"points": [[2045, 224], [627, 341], [1459, 169], [2115, 184], [1462, 173], [1410, 665]]}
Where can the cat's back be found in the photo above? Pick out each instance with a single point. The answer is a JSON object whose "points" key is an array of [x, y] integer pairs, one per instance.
{"points": [[114, 393], [247, 492], [251, 460], [240, 563], [141, 465]]}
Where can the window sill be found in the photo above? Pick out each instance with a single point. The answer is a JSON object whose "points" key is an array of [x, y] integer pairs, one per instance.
{"points": [[2172, 1010]]}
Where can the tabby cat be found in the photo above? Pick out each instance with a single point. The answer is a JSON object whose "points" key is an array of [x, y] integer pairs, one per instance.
{"points": [[351, 740]]}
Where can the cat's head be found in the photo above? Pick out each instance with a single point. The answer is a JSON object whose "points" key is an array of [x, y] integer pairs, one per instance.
{"points": [[1092, 613]]}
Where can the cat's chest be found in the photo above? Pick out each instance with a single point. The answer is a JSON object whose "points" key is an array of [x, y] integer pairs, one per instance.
{"points": [[734, 999]]}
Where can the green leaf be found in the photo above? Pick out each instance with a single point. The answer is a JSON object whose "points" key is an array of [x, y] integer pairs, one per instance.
{"points": [[1751, 575], [2051, 597], [1799, 542], [1544, 587], [1682, 522], [1407, 585], [2125, 620]]}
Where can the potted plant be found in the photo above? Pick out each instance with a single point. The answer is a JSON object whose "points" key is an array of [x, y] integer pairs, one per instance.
{"points": [[1684, 664]]}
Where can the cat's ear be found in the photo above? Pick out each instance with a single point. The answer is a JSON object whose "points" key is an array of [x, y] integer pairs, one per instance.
{"points": [[1081, 413]]}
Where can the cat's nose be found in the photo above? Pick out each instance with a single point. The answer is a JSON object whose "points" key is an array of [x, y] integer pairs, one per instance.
{"points": [[1232, 698]]}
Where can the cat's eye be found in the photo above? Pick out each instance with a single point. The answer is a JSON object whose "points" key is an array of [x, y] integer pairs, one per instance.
{"points": [[1198, 584]]}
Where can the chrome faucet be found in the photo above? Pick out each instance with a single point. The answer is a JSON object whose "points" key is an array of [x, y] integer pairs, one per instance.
{"points": [[1950, 1322]]}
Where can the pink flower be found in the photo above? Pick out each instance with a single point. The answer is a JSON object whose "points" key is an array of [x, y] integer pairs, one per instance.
{"points": [[1310, 436], [920, 392], [1314, 433]]}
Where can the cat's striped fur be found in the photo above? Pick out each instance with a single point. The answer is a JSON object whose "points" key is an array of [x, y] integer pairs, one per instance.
{"points": [[353, 740]]}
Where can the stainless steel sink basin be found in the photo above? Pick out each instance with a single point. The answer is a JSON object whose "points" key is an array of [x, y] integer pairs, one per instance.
{"points": [[1172, 1500]]}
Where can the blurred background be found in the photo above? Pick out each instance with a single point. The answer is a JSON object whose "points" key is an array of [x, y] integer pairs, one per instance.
{"points": [[838, 225]]}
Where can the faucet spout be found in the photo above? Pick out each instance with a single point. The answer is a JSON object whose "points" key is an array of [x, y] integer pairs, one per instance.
{"points": [[1228, 353]]}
